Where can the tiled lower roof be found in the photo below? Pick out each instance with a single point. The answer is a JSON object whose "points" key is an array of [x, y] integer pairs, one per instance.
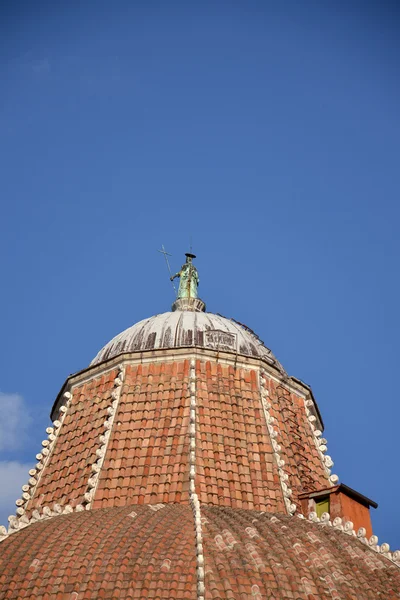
{"points": [[255, 555], [131, 552], [148, 551]]}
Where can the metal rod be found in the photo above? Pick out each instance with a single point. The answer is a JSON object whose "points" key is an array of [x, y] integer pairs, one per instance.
{"points": [[166, 254]]}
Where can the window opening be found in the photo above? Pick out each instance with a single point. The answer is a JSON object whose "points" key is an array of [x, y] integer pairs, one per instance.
{"points": [[321, 506]]}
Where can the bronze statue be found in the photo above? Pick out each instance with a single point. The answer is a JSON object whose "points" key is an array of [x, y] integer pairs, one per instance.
{"points": [[189, 278]]}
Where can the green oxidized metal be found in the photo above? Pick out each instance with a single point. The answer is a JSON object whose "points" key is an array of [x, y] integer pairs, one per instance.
{"points": [[189, 279]]}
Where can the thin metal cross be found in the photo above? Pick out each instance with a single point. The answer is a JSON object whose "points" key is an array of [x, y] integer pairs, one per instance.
{"points": [[166, 254]]}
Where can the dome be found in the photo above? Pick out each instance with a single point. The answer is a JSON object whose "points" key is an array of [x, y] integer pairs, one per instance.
{"points": [[149, 551], [187, 328], [167, 471]]}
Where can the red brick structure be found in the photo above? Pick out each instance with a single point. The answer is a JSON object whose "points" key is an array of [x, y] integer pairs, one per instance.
{"points": [[342, 502], [185, 463]]}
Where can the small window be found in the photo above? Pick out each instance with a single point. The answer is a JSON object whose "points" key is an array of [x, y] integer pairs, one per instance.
{"points": [[321, 506]]}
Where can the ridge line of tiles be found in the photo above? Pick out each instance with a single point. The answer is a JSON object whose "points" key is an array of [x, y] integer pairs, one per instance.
{"points": [[347, 527], [316, 571], [104, 439], [320, 443], [338, 524], [35, 474], [283, 476], [38, 515], [194, 500]]}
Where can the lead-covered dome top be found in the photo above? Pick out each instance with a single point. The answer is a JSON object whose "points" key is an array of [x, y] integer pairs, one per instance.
{"points": [[185, 328]]}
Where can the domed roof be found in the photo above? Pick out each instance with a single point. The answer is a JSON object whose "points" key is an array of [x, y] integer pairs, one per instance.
{"points": [[185, 328], [149, 551]]}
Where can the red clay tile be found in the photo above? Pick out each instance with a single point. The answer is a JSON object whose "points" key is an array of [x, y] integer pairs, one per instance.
{"points": [[141, 552]]}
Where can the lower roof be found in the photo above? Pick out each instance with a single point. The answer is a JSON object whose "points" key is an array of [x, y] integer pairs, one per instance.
{"points": [[148, 551]]}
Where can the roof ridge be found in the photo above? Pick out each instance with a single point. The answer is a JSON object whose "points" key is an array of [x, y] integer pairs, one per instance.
{"points": [[346, 527]]}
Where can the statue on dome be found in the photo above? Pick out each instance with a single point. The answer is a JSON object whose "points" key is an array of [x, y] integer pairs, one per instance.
{"points": [[189, 278]]}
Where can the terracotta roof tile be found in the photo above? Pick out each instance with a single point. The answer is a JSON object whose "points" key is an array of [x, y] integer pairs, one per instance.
{"points": [[149, 430], [234, 453], [249, 554], [303, 463], [147, 454], [65, 475], [149, 437], [148, 551], [106, 553]]}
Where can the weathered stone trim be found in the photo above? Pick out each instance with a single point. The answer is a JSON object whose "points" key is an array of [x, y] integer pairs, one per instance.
{"points": [[273, 433], [348, 528], [104, 439], [320, 444], [194, 500], [41, 514], [42, 458]]}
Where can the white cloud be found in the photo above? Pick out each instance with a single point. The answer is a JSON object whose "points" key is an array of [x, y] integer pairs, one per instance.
{"points": [[13, 475], [14, 421]]}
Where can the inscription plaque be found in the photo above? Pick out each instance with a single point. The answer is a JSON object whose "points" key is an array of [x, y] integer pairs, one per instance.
{"points": [[219, 340]]}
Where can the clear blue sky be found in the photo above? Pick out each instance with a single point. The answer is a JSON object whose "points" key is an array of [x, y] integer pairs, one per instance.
{"points": [[267, 131]]}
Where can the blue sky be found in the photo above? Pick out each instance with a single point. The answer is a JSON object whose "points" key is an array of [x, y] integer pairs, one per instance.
{"points": [[266, 132]]}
